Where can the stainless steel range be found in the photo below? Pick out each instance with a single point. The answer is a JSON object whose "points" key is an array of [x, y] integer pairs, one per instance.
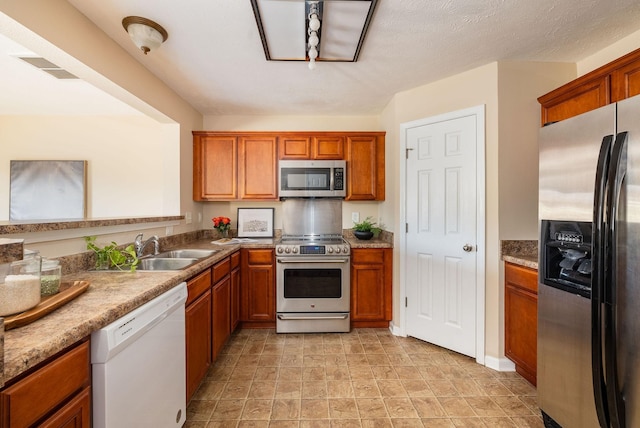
{"points": [[312, 272]]}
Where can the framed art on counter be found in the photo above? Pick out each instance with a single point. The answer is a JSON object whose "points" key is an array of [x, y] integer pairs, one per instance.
{"points": [[255, 222]]}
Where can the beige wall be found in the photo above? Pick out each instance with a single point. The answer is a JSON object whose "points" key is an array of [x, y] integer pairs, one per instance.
{"points": [[519, 86], [610, 53], [57, 29], [127, 160]]}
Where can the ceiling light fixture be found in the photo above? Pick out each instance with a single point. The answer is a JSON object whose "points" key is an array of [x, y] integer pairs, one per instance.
{"points": [[313, 30], [145, 33]]}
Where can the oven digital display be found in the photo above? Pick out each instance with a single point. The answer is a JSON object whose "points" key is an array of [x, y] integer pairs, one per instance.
{"points": [[312, 249]]}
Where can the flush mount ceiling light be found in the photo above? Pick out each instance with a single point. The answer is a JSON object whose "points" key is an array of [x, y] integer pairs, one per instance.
{"points": [[145, 33], [313, 30]]}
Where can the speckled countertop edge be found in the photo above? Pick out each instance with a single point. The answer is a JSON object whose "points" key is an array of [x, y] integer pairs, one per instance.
{"points": [[520, 252], [110, 296]]}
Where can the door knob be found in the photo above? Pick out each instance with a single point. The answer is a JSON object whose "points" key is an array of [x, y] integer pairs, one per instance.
{"points": [[468, 248]]}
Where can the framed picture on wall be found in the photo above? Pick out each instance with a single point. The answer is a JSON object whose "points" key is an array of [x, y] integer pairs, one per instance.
{"points": [[255, 222]]}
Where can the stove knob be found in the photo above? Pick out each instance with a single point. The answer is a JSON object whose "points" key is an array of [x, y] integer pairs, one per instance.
{"points": [[345, 250], [330, 250], [287, 250], [280, 250], [338, 250], [295, 250]]}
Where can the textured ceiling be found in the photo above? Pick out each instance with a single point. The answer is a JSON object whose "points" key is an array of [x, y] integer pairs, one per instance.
{"points": [[214, 58]]}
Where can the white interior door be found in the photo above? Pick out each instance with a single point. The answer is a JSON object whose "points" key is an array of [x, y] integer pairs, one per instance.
{"points": [[442, 298]]}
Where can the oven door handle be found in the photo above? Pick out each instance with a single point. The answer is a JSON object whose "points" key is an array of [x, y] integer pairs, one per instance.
{"points": [[305, 260], [300, 317]]}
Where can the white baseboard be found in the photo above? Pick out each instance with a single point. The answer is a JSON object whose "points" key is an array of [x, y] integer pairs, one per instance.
{"points": [[500, 364], [395, 330]]}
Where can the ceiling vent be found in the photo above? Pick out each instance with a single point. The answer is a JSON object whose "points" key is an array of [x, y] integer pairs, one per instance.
{"points": [[48, 67]]}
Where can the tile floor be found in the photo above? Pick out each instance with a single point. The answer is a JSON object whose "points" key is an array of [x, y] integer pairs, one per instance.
{"points": [[366, 378]]}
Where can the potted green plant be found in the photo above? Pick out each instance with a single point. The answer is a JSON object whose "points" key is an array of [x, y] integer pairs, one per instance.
{"points": [[366, 229], [113, 256]]}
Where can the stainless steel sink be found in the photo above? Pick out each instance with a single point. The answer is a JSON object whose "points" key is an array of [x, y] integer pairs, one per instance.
{"points": [[186, 254], [165, 263]]}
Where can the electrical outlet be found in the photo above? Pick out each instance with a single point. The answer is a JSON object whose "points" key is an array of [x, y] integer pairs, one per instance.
{"points": [[187, 217], [168, 231], [355, 217], [199, 217]]}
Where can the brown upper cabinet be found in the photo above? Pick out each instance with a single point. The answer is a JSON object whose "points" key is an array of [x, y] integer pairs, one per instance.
{"points": [[229, 167], [365, 167], [243, 166], [311, 147], [610, 83]]}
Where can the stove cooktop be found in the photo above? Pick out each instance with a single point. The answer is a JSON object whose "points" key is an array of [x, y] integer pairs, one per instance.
{"points": [[312, 246]]}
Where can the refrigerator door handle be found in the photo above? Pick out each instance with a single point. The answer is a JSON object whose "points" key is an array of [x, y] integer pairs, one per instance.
{"points": [[597, 281], [617, 171]]}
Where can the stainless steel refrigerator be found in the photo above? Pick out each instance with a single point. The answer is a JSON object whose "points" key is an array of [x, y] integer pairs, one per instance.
{"points": [[589, 269]]}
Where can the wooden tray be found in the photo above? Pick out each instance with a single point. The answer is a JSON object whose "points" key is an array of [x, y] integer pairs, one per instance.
{"points": [[68, 291]]}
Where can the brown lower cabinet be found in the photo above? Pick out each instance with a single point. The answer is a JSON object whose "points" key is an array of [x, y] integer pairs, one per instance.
{"points": [[521, 319], [56, 394], [257, 289], [371, 280], [213, 295], [198, 334]]}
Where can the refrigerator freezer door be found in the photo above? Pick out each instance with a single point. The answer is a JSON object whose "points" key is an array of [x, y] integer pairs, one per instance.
{"points": [[569, 153], [568, 157], [628, 268]]}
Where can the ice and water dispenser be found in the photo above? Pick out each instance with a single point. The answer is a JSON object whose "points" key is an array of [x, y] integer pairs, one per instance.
{"points": [[566, 256]]}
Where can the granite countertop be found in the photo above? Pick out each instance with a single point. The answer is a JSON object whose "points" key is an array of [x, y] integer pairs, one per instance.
{"points": [[110, 296], [523, 253]]}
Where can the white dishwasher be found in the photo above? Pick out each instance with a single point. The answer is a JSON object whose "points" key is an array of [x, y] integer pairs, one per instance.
{"points": [[138, 366]]}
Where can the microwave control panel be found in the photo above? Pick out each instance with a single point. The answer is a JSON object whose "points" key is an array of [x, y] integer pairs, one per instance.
{"points": [[338, 179]]}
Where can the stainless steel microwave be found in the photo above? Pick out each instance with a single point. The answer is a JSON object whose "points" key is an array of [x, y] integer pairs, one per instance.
{"points": [[312, 178]]}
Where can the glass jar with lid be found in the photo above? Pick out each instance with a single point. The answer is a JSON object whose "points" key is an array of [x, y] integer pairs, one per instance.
{"points": [[19, 285], [50, 277]]}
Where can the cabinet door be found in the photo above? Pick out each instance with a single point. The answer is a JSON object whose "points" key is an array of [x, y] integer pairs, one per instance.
{"points": [[75, 414], [198, 341], [221, 316], [294, 148], [575, 98], [328, 147], [257, 175], [235, 299], [625, 81], [521, 319], [365, 168], [214, 167], [371, 271], [258, 286], [30, 399]]}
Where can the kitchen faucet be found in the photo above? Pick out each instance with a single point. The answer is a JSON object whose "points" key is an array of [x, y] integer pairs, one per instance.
{"points": [[140, 246]]}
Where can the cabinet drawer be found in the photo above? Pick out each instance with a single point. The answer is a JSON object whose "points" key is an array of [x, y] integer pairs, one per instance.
{"points": [[198, 285], [235, 260], [521, 277], [369, 256], [221, 269], [260, 257], [42, 391]]}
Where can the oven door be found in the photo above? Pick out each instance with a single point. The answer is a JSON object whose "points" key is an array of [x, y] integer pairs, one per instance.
{"points": [[312, 284]]}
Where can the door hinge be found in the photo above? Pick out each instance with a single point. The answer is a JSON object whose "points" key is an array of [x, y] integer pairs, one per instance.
{"points": [[406, 302], [406, 227], [407, 153]]}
